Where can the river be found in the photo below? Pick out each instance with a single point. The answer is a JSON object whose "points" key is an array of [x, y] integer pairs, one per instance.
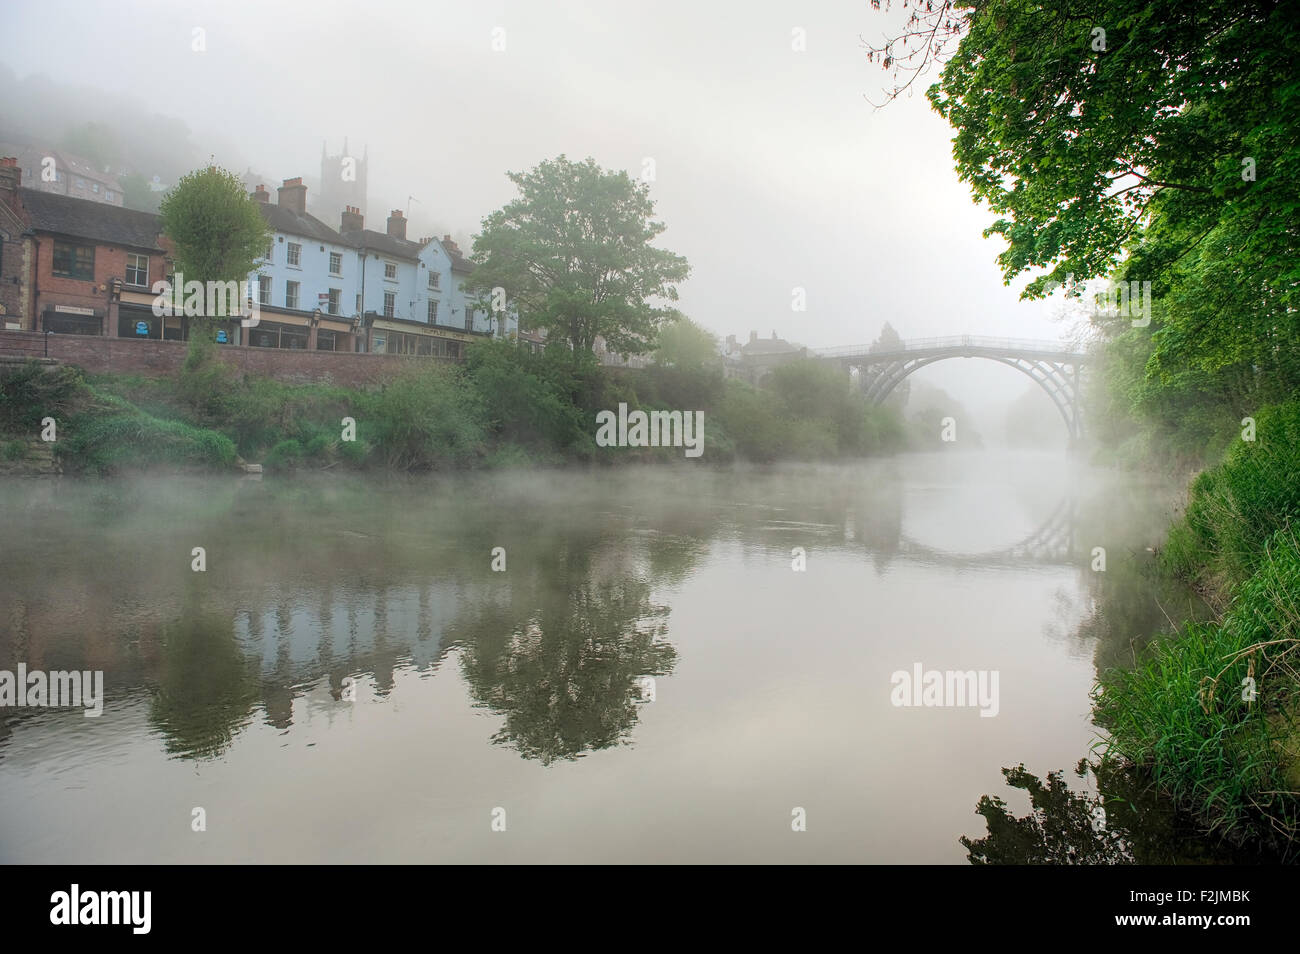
{"points": [[673, 663]]}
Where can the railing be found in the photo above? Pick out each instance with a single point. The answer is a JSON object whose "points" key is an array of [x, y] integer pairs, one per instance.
{"points": [[955, 341]]}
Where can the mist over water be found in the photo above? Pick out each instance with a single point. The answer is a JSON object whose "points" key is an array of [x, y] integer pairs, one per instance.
{"points": [[350, 680]]}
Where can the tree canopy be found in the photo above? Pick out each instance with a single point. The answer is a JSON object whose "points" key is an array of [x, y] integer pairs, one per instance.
{"points": [[573, 253], [217, 231]]}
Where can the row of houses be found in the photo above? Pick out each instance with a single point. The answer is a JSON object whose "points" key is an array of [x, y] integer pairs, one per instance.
{"points": [[68, 266]]}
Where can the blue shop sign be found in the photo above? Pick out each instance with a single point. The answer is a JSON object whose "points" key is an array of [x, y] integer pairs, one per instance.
{"points": [[221, 336], [142, 328]]}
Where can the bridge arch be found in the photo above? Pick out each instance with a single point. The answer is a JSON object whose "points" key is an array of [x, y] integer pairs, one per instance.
{"points": [[1051, 366]]}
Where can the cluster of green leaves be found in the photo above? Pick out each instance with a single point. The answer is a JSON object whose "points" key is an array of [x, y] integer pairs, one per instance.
{"points": [[1167, 152], [1235, 508], [217, 232], [806, 410], [573, 254]]}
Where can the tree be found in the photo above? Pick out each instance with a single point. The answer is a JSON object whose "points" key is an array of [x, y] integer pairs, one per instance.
{"points": [[217, 231], [684, 344], [573, 254], [136, 193], [94, 141], [1149, 141]]}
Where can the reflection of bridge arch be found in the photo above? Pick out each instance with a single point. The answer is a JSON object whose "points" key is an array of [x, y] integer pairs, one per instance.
{"points": [[1052, 543], [1052, 366]]}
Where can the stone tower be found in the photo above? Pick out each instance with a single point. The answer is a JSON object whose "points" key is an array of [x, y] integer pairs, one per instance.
{"points": [[342, 182]]}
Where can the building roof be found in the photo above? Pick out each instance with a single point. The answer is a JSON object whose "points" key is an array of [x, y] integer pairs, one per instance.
{"points": [[289, 222], [97, 221], [769, 346], [77, 165], [382, 242]]}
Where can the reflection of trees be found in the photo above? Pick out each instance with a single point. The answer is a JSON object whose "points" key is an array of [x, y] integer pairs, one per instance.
{"points": [[206, 687], [560, 664], [1066, 827]]}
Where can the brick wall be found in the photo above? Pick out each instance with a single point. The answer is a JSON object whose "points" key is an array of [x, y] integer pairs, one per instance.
{"points": [[161, 358]]}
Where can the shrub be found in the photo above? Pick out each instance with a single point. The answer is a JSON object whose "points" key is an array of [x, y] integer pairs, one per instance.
{"points": [[425, 418]]}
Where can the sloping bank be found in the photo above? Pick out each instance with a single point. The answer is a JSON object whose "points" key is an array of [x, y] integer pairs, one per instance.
{"points": [[1213, 712], [505, 407]]}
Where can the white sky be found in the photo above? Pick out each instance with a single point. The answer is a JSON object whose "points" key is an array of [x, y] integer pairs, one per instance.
{"points": [[772, 169]]}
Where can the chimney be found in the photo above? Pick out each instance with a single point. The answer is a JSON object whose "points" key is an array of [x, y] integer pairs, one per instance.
{"points": [[261, 195], [351, 220], [397, 224], [449, 245], [293, 196], [10, 174]]}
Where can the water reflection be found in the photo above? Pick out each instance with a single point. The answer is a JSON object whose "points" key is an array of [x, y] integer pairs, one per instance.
{"points": [[1126, 824], [318, 587]]}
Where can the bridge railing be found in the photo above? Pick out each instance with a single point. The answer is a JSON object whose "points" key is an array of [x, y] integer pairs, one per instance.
{"points": [[954, 341]]}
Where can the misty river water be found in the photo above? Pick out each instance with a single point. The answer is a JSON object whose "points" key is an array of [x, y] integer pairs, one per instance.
{"points": [[651, 677]]}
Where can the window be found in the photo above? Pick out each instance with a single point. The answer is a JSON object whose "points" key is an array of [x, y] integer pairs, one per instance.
{"points": [[270, 251], [264, 289], [390, 304], [379, 344], [434, 278], [390, 272], [108, 195], [137, 269], [336, 263], [81, 184], [74, 261], [433, 312], [290, 293], [334, 301], [295, 254], [94, 187]]}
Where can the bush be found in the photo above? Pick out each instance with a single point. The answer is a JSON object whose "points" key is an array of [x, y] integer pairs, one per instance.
{"points": [[425, 418], [130, 439], [32, 391], [528, 399]]}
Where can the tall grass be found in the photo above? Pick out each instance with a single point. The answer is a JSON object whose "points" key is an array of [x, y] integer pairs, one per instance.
{"points": [[1186, 710]]}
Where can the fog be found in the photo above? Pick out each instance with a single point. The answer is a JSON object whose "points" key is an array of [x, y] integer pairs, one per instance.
{"points": [[772, 168]]}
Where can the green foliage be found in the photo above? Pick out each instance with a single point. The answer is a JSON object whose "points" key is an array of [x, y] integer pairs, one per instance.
{"points": [[573, 253], [528, 398], [217, 231], [32, 391], [1236, 507], [1186, 711], [426, 418], [99, 444], [15, 450], [681, 343]]}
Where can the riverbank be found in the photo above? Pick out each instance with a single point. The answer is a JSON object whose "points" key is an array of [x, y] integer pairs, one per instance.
{"points": [[505, 407], [1213, 711]]}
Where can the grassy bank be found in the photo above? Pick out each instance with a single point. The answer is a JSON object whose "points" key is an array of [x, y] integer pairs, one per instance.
{"points": [[504, 407], [1213, 710]]}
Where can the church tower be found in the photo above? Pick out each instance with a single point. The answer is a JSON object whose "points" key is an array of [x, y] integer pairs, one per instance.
{"points": [[342, 182]]}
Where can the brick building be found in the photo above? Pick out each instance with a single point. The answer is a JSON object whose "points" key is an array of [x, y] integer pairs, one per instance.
{"points": [[91, 266], [15, 252]]}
